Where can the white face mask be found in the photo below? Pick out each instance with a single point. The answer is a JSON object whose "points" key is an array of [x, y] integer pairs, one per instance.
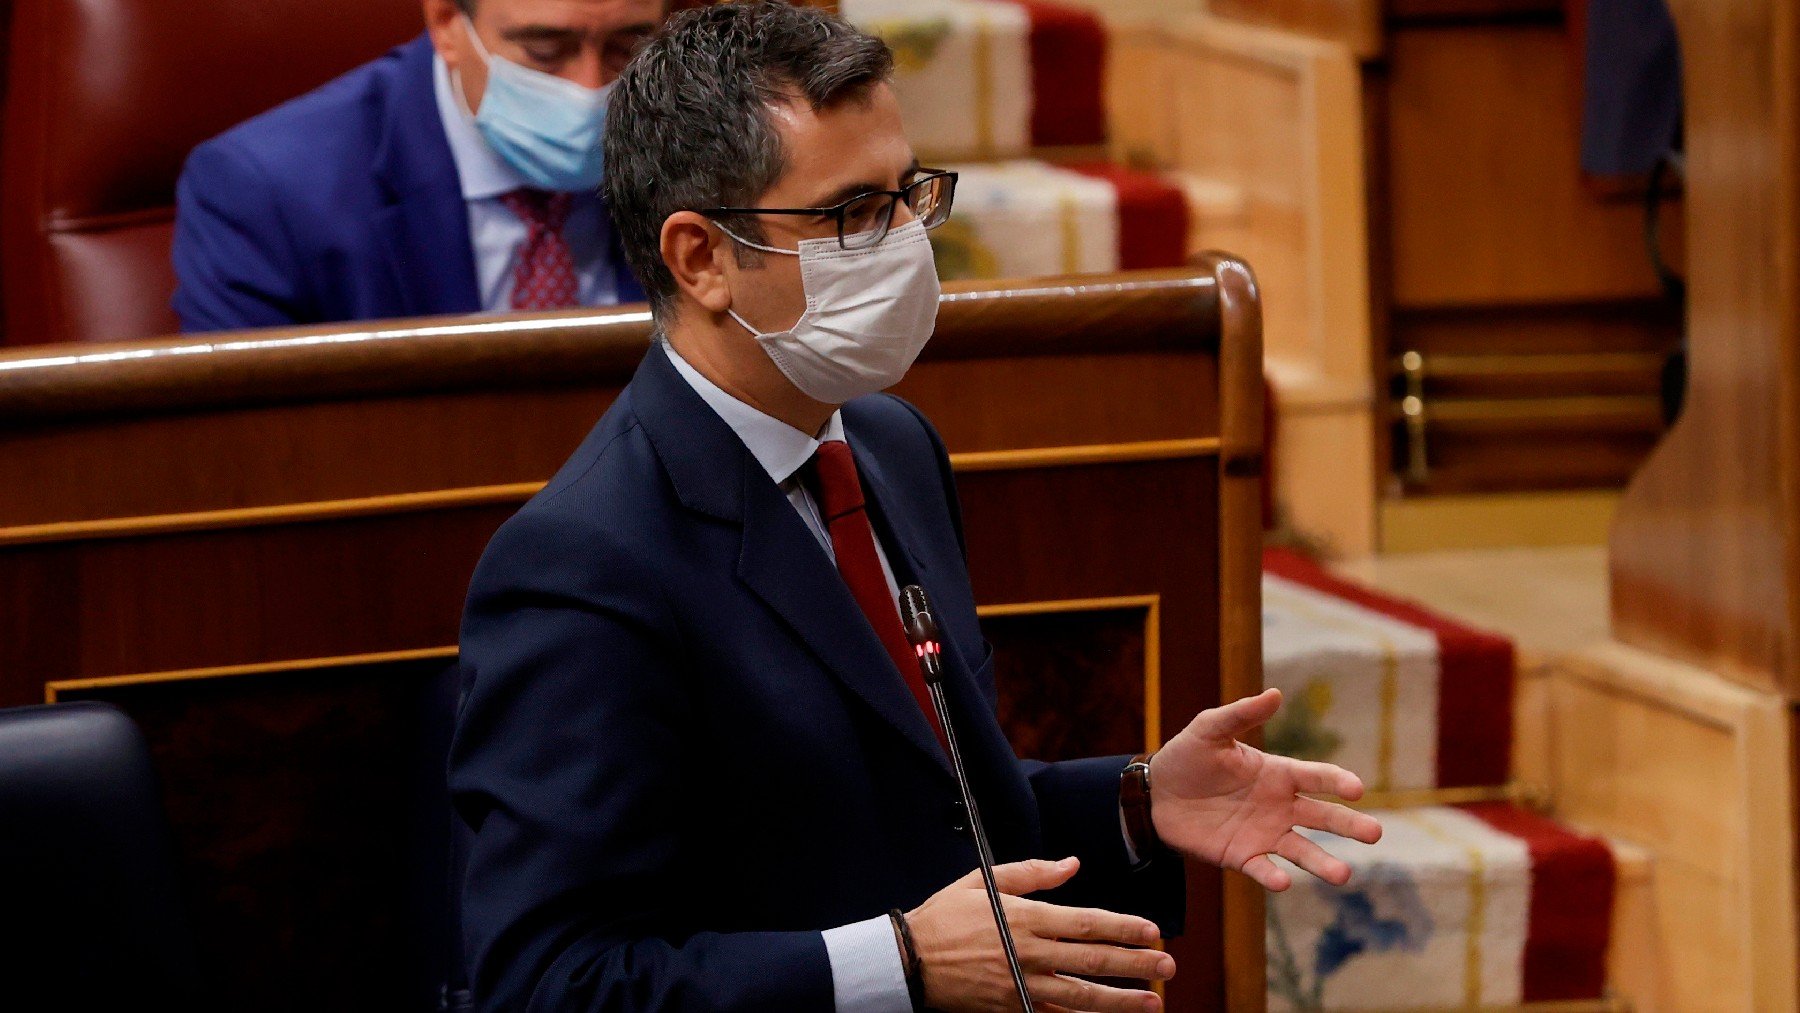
{"points": [[868, 314]]}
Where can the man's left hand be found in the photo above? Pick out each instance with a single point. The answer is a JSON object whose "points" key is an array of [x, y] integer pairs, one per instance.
{"points": [[1218, 800]]}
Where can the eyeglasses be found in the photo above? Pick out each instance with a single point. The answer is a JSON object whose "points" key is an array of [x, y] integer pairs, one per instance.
{"points": [[864, 220]]}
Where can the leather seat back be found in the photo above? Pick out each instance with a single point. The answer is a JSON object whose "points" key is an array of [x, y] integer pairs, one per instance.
{"points": [[105, 98], [94, 917]]}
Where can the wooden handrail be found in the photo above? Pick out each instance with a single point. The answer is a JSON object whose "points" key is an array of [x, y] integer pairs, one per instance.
{"points": [[1143, 311]]}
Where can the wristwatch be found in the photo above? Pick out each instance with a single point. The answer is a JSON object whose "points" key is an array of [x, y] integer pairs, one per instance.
{"points": [[1134, 801]]}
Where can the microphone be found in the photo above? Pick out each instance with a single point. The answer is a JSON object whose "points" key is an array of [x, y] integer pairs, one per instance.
{"points": [[922, 633]]}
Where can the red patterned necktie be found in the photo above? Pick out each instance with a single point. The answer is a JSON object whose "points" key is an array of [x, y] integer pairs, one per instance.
{"points": [[545, 276], [853, 541]]}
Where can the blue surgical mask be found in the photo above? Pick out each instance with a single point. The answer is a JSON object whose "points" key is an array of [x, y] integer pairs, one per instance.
{"points": [[545, 127]]}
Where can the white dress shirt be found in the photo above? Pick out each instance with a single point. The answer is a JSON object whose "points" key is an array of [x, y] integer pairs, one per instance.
{"points": [[495, 233], [866, 971]]}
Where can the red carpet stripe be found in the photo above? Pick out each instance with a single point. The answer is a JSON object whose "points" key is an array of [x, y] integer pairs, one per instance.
{"points": [[1572, 879], [1153, 216], [1475, 687], [1068, 71]]}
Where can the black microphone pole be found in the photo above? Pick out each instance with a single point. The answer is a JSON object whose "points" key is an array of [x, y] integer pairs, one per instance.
{"points": [[922, 633]]}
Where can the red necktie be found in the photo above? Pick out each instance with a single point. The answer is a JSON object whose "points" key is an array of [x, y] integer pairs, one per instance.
{"points": [[853, 541], [545, 276]]}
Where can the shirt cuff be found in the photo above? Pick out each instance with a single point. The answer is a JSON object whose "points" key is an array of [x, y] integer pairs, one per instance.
{"points": [[866, 972]]}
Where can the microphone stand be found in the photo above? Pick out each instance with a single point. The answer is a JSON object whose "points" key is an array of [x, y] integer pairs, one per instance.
{"points": [[922, 633]]}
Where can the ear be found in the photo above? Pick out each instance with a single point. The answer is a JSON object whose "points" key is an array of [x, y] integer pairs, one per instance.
{"points": [[441, 18], [690, 244]]}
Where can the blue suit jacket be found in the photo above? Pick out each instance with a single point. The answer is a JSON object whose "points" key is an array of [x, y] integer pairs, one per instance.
{"points": [[683, 750], [343, 204], [1631, 104]]}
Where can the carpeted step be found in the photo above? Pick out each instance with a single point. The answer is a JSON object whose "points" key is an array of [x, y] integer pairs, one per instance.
{"points": [[1457, 907], [1408, 698], [988, 79], [1026, 218]]}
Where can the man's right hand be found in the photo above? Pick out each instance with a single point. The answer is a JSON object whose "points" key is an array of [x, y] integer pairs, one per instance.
{"points": [[965, 970]]}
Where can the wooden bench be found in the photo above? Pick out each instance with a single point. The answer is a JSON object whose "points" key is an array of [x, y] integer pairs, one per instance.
{"points": [[258, 544]]}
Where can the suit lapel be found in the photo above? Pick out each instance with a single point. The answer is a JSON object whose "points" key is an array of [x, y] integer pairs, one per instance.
{"points": [[782, 563], [425, 225], [894, 526], [779, 560], [900, 534]]}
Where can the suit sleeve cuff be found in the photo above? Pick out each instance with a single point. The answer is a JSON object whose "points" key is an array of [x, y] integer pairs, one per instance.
{"points": [[1078, 801], [866, 973]]}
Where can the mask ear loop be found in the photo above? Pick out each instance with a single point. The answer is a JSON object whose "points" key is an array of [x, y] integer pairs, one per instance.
{"points": [[456, 85], [754, 246], [475, 37], [733, 314]]}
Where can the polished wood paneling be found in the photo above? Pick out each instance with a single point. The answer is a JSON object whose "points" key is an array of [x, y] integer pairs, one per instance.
{"points": [[1487, 200], [1705, 553], [1706, 547], [1667, 755], [1097, 657], [1471, 10], [1356, 23], [1500, 251], [1139, 311], [1644, 326], [1242, 458], [1505, 446], [253, 500], [1513, 377], [1499, 383], [226, 423], [357, 585], [1480, 220], [1262, 129]]}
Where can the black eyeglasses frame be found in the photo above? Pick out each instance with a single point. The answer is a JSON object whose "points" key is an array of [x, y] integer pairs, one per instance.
{"points": [[837, 211]]}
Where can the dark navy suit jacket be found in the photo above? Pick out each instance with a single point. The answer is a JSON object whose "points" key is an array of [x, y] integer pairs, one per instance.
{"points": [[1631, 105], [343, 204], [683, 751]]}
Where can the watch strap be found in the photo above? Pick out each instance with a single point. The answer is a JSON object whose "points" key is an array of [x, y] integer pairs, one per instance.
{"points": [[1134, 802]]}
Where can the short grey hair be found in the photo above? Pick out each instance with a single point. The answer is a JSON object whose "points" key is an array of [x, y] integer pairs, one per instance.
{"points": [[688, 126]]}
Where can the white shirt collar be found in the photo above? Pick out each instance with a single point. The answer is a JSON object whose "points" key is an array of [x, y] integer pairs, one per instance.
{"points": [[781, 449], [484, 174]]}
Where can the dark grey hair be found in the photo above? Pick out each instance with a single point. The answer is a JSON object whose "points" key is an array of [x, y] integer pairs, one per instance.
{"points": [[688, 127]]}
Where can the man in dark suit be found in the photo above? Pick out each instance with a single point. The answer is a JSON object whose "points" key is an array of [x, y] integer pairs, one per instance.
{"points": [[694, 756], [456, 174]]}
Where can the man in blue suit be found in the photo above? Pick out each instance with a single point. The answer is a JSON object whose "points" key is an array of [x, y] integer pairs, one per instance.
{"points": [[694, 755], [457, 174]]}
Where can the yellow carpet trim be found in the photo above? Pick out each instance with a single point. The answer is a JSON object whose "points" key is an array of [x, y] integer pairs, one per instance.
{"points": [[984, 90], [1071, 234], [1390, 689], [1517, 793], [1477, 922], [1390, 695]]}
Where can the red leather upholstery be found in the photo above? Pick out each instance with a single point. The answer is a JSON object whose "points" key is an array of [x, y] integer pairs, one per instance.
{"points": [[105, 98]]}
